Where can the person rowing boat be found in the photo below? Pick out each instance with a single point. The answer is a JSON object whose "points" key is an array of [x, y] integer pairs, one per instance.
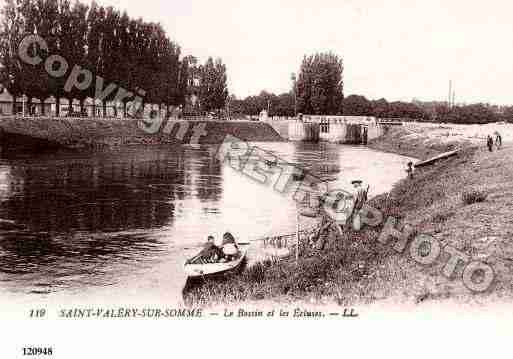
{"points": [[210, 253], [214, 251], [231, 260]]}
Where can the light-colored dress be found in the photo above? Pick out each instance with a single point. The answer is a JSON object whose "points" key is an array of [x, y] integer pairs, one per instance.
{"points": [[230, 249]]}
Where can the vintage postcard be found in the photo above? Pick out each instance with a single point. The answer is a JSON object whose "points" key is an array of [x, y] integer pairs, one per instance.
{"points": [[232, 169]]}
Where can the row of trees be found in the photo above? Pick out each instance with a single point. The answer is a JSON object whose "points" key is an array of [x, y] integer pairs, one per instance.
{"points": [[357, 105], [353, 105], [277, 105], [470, 114], [427, 111], [133, 54], [139, 56], [318, 89]]}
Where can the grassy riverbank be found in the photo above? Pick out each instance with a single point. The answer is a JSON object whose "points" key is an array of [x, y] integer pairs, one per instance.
{"points": [[50, 132], [357, 269]]}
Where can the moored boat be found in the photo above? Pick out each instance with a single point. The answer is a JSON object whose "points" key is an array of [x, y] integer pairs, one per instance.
{"points": [[432, 160], [194, 270]]}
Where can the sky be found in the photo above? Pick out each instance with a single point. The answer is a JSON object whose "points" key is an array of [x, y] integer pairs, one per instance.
{"points": [[394, 49]]}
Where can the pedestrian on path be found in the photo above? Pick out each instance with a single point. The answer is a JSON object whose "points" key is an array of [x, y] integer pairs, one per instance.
{"points": [[498, 140], [489, 143], [410, 170]]}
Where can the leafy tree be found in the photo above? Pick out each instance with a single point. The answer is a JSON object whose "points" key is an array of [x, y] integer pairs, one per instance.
{"points": [[93, 39], [30, 74], [356, 105], [172, 92], [469, 114], [182, 83], [26, 76], [380, 108], [508, 114], [252, 105], [213, 89], [236, 107], [320, 85], [47, 26], [407, 110], [285, 105], [79, 46], [11, 34], [123, 57], [132, 54], [192, 84]]}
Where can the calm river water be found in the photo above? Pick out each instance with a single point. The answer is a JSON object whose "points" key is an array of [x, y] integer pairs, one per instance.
{"points": [[117, 226]]}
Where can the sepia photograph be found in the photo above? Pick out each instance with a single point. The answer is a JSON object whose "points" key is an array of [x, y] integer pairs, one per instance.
{"points": [[193, 171]]}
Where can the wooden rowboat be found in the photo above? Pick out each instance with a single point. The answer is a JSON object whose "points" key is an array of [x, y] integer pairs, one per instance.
{"points": [[214, 269]]}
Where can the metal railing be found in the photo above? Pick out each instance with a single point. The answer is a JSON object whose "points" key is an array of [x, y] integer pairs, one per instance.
{"points": [[290, 239]]}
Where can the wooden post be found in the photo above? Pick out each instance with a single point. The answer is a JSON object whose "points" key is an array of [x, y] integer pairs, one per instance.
{"points": [[297, 238]]}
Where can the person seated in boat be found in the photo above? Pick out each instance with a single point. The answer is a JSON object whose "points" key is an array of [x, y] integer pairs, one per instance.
{"points": [[211, 253], [229, 245]]}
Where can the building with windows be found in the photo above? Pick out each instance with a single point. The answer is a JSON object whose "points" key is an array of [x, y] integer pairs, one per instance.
{"points": [[6, 103]]}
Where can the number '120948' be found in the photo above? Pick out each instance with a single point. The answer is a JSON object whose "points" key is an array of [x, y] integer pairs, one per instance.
{"points": [[37, 351]]}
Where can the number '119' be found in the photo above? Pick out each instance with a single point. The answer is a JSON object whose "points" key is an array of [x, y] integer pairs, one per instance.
{"points": [[37, 313]]}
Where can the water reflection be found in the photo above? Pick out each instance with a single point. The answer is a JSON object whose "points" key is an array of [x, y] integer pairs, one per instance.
{"points": [[69, 221], [74, 214], [109, 192]]}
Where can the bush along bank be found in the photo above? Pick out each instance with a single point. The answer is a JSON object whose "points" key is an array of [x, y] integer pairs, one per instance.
{"points": [[459, 202]]}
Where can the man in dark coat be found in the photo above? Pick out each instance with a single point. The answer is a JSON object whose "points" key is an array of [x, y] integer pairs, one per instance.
{"points": [[489, 143], [209, 254]]}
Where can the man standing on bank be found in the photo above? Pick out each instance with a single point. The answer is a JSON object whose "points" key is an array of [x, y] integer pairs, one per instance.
{"points": [[498, 140], [410, 170], [489, 143], [360, 198]]}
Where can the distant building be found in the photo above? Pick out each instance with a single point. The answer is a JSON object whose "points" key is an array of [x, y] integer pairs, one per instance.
{"points": [[264, 116], [5, 103], [92, 108]]}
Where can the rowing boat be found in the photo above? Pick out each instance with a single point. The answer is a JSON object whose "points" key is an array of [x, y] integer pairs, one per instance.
{"points": [[211, 269]]}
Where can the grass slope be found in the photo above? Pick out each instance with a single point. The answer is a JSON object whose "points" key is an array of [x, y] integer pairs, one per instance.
{"points": [[465, 201]]}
